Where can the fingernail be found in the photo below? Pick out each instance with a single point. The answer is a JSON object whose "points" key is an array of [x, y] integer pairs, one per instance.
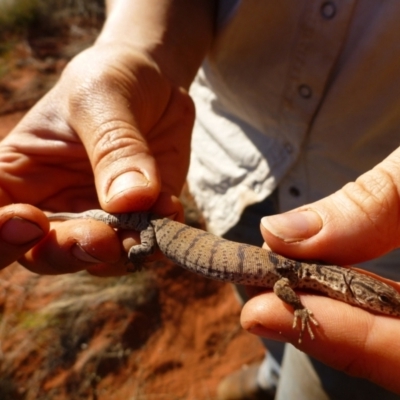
{"points": [[19, 231], [293, 226], [126, 181], [82, 255]]}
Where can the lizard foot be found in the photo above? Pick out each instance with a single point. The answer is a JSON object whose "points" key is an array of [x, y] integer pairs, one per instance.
{"points": [[306, 319]]}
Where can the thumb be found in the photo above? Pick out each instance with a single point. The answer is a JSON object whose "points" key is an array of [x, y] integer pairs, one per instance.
{"points": [[113, 111], [357, 223]]}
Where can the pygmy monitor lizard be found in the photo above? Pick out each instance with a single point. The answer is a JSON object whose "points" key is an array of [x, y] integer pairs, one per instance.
{"points": [[216, 258]]}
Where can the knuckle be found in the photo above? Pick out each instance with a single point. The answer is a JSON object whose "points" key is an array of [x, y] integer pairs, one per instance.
{"points": [[375, 197], [115, 141]]}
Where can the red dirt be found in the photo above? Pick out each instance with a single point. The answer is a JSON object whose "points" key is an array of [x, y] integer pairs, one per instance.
{"points": [[178, 344]]}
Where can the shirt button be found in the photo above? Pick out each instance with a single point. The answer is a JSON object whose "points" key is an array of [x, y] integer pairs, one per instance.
{"points": [[305, 91], [328, 10], [294, 191]]}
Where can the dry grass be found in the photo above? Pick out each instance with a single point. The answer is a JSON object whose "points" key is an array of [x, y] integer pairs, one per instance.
{"points": [[80, 311]]}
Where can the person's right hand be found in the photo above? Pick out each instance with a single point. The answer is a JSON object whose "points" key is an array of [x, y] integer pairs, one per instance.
{"points": [[21, 227], [113, 133]]}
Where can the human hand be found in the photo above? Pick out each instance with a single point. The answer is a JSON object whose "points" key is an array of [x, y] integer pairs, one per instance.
{"points": [[357, 223], [21, 227], [113, 133]]}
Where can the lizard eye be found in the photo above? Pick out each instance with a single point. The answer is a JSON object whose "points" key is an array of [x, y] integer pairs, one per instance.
{"points": [[384, 299]]}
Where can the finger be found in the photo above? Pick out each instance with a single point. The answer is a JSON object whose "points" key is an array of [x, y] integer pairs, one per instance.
{"points": [[44, 164], [75, 245], [347, 338], [170, 141], [21, 227], [357, 223], [169, 206]]}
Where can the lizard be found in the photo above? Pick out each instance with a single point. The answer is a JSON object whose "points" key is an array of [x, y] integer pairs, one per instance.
{"points": [[213, 257]]}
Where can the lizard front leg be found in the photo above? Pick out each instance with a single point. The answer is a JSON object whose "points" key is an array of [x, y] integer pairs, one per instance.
{"points": [[283, 290], [137, 254]]}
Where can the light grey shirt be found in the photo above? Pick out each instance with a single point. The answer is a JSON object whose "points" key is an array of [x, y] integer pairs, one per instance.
{"points": [[303, 94]]}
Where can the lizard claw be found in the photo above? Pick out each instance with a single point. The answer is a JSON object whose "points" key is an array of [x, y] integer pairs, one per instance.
{"points": [[306, 319], [134, 267]]}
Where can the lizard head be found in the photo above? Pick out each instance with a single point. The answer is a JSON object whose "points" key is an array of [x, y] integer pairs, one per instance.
{"points": [[375, 295]]}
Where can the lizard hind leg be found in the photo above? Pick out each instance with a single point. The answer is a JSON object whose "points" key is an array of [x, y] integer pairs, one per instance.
{"points": [[283, 290], [137, 254]]}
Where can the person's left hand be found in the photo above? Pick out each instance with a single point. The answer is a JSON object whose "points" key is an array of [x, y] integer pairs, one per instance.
{"points": [[355, 224]]}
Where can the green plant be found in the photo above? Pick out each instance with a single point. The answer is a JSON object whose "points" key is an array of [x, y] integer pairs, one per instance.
{"points": [[33, 17], [17, 15]]}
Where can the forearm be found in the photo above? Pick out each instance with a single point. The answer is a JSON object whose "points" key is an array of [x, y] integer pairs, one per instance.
{"points": [[175, 33]]}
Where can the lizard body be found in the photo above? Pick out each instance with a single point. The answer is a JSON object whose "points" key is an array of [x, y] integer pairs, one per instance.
{"points": [[216, 258]]}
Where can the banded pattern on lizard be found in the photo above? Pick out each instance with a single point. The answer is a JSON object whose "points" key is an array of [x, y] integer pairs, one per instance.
{"points": [[216, 258]]}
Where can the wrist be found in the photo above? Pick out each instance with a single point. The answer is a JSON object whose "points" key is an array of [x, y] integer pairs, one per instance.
{"points": [[174, 34]]}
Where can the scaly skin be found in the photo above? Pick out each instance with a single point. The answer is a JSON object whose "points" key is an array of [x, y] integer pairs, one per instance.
{"points": [[216, 258]]}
